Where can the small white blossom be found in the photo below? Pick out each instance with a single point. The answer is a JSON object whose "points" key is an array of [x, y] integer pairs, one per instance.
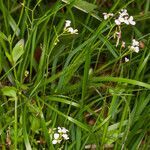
{"points": [[135, 46], [135, 49], [62, 130], [54, 142], [65, 136], [69, 29], [118, 22], [131, 21], [123, 12], [67, 24], [72, 31], [107, 15], [56, 136], [135, 43], [126, 59]]}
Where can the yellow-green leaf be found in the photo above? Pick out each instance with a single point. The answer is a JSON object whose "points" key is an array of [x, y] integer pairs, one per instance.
{"points": [[18, 50]]}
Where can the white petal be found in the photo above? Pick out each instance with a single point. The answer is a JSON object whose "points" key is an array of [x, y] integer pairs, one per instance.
{"points": [[59, 130], [126, 59], [75, 31], [111, 14], [70, 30], [64, 130], [67, 24], [117, 22], [123, 12], [126, 21], [121, 19], [136, 49], [131, 21], [65, 136], [56, 136], [105, 17], [54, 142]]}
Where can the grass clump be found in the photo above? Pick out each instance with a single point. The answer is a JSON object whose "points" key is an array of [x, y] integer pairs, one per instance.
{"points": [[74, 75]]}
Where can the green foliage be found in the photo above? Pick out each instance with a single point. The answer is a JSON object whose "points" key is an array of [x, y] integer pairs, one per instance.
{"points": [[55, 76], [17, 51]]}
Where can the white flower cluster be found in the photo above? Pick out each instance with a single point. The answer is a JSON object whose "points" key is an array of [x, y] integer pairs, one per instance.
{"points": [[123, 17], [69, 29], [126, 19], [60, 135], [135, 46]]}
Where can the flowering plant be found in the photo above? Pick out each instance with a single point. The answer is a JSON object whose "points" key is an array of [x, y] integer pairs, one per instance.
{"points": [[123, 18], [59, 135]]}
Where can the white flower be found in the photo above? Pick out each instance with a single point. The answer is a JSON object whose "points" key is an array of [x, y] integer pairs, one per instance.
{"points": [[126, 59], [56, 136], [135, 46], [67, 24], [60, 135], [135, 43], [131, 20], [62, 130], [135, 49], [123, 13], [107, 15], [126, 21], [118, 22], [72, 31], [69, 29], [65, 136], [54, 142]]}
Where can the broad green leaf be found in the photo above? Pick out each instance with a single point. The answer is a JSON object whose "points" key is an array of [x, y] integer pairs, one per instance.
{"points": [[9, 91], [18, 50]]}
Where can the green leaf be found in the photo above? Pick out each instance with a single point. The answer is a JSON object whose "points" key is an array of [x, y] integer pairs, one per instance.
{"points": [[118, 79], [13, 25], [35, 124], [9, 91], [82, 5], [18, 50], [3, 36]]}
